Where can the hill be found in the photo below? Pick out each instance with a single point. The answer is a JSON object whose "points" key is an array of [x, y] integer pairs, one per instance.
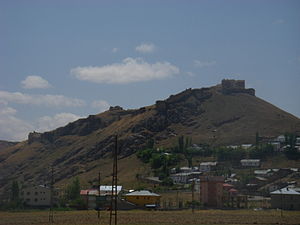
{"points": [[6, 144], [220, 115]]}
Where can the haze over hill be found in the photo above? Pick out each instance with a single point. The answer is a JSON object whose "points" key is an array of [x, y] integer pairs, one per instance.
{"points": [[220, 115]]}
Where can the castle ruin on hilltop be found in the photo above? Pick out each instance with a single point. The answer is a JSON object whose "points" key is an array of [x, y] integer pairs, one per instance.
{"points": [[235, 86]]}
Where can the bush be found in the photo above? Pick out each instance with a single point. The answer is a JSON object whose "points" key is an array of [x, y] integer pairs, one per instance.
{"points": [[167, 181]]}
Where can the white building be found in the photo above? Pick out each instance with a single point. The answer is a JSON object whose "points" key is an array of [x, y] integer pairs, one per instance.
{"points": [[280, 138], [107, 190], [207, 166], [250, 162], [263, 173], [184, 178]]}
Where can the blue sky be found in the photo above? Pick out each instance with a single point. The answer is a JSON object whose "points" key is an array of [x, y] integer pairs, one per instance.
{"points": [[62, 59]]}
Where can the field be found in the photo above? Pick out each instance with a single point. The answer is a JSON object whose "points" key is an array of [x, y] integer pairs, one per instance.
{"points": [[137, 217]]}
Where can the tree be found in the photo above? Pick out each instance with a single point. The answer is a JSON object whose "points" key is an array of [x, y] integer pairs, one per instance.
{"points": [[291, 151], [150, 144], [15, 201], [262, 152], [156, 161], [15, 191], [256, 140], [73, 190], [181, 144]]}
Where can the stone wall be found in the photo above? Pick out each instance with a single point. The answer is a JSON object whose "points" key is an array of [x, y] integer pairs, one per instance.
{"points": [[236, 86], [34, 137]]}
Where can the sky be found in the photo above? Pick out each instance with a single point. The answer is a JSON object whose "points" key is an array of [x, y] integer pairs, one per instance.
{"points": [[61, 60]]}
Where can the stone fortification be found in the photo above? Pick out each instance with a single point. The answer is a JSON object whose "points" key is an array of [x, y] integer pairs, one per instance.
{"points": [[235, 86]]}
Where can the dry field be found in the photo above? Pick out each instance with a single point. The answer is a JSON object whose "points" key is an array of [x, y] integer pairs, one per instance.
{"points": [[137, 217]]}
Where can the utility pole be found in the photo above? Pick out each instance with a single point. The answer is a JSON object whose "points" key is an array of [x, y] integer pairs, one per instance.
{"points": [[193, 187], [114, 196], [193, 190], [99, 196], [51, 197]]}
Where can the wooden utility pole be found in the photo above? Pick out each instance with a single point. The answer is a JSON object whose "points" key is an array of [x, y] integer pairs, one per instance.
{"points": [[114, 192], [51, 197], [99, 195], [193, 187]]}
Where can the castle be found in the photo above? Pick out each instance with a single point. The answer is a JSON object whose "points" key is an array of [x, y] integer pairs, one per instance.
{"points": [[235, 86]]}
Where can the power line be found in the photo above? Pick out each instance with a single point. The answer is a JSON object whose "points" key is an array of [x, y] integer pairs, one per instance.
{"points": [[114, 193], [51, 197]]}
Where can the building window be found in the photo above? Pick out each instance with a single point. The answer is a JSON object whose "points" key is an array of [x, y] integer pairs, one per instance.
{"points": [[35, 199], [28, 193], [36, 193]]}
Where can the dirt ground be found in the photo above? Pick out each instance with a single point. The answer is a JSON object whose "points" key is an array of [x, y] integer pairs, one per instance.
{"points": [[138, 217]]}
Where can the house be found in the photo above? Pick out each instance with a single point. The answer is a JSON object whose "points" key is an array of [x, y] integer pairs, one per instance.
{"points": [[285, 198], [180, 178], [281, 139], [298, 141], [276, 145], [107, 190], [211, 190], [183, 178], [89, 197], [151, 180], [263, 173], [93, 197], [207, 166], [143, 198], [39, 196], [250, 162]]}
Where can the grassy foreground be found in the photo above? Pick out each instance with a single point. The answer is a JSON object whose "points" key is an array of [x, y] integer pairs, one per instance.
{"points": [[154, 217]]}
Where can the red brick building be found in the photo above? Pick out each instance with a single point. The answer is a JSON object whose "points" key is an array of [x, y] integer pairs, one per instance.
{"points": [[211, 191]]}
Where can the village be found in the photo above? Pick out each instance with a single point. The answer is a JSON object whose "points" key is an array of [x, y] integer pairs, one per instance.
{"points": [[210, 184]]}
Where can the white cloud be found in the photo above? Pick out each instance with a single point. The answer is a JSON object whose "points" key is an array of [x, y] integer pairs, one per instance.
{"points": [[202, 64], [14, 129], [11, 127], [33, 81], [278, 21], [45, 100], [101, 105], [47, 123], [145, 48], [191, 74], [114, 50], [130, 70]]}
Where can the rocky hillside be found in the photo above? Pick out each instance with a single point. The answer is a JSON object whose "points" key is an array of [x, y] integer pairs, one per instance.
{"points": [[6, 144], [219, 115]]}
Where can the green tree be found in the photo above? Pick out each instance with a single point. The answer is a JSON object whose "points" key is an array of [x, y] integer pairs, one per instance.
{"points": [[291, 151], [150, 144], [15, 191], [73, 190], [181, 144], [145, 155], [15, 200], [262, 152]]}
